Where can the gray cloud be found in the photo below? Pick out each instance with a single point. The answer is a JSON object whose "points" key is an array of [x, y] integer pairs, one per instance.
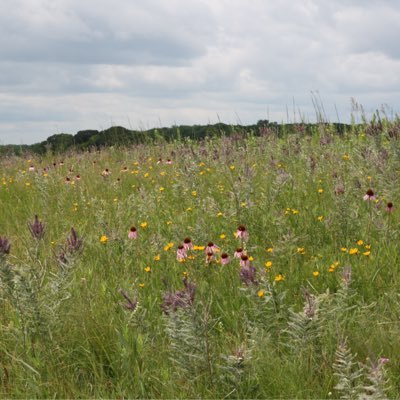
{"points": [[66, 66]]}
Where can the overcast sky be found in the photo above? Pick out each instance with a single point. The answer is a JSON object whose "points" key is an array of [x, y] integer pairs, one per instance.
{"points": [[69, 65]]}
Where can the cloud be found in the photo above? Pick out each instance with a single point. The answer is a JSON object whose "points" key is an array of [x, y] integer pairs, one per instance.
{"points": [[79, 65]]}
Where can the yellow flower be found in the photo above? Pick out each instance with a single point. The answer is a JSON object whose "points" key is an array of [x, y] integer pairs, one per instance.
{"points": [[222, 236], [168, 246], [147, 269], [169, 222], [220, 214], [185, 274], [360, 242], [194, 193], [261, 293], [157, 257], [301, 250], [270, 250], [104, 239], [189, 209], [141, 285], [320, 218], [367, 253], [144, 225], [368, 246], [331, 269], [343, 249], [346, 157], [315, 273], [320, 191], [279, 278], [353, 250], [251, 258], [294, 211], [161, 189], [232, 167], [199, 248], [268, 264]]}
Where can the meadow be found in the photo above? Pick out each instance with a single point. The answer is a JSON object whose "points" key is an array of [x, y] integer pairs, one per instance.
{"points": [[232, 267]]}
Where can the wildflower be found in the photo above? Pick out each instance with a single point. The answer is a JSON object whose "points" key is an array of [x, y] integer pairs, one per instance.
{"points": [[248, 275], [261, 293], [238, 253], [147, 269], [320, 191], [31, 168], [168, 162], [144, 225], [74, 244], [222, 236], [279, 278], [198, 248], [179, 299], [187, 243], [141, 285], [194, 193], [353, 250], [301, 250], [78, 177], [106, 172], [210, 257], [242, 233], [67, 180], [224, 258], [181, 253], [232, 167], [103, 239], [130, 305], [343, 249], [346, 157], [157, 257], [366, 253], [211, 248], [320, 218], [132, 233], [389, 207], [315, 273], [4, 246], [220, 214], [244, 261], [370, 195], [168, 246], [268, 264], [37, 228], [360, 242], [270, 250]]}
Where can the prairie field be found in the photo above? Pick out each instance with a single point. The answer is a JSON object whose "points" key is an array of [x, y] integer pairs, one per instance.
{"points": [[242, 266]]}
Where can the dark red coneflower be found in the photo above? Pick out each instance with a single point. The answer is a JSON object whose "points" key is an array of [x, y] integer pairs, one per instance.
{"points": [[389, 207]]}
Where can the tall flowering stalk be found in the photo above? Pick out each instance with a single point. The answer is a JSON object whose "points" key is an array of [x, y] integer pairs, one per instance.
{"points": [[4, 246], [37, 228]]}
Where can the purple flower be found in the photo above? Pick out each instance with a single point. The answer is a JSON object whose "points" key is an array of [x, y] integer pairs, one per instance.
{"points": [[181, 298], [4, 246], [73, 242], [37, 228]]}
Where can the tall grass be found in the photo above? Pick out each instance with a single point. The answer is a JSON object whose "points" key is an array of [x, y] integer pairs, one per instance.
{"points": [[91, 312]]}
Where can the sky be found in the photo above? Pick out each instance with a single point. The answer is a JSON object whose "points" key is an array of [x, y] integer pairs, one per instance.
{"points": [[70, 65]]}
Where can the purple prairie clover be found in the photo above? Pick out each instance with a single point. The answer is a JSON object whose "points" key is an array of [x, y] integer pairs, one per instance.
{"points": [[369, 195], [248, 275], [224, 258], [132, 233], [187, 243], [37, 228], [130, 304], [74, 243], [179, 299], [211, 248], [4, 246], [181, 253], [242, 233]]}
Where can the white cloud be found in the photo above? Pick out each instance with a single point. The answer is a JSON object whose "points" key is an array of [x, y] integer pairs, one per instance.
{"points": [[71, 65]]}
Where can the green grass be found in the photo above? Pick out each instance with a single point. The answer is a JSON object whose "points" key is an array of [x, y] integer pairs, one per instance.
{"points": [[65, 333]]}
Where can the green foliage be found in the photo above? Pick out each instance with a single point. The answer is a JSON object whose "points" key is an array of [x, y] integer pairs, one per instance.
{"points": [[325, 264]]}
